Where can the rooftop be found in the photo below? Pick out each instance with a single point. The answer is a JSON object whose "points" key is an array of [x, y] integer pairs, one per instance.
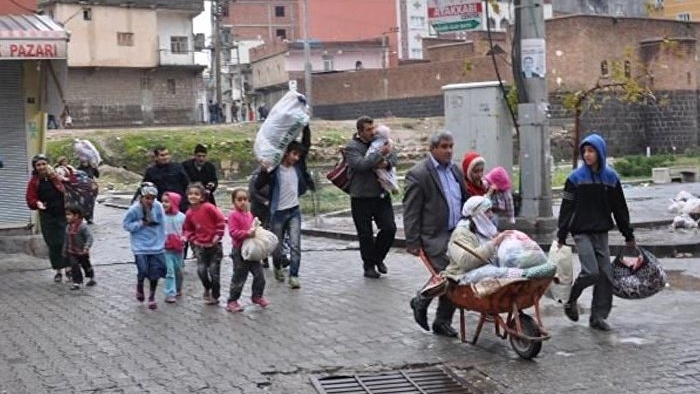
{"points": [[189, 5]]}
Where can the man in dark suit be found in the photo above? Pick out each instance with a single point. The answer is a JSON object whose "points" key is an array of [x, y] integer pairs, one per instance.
{"points": [[432, 208], [200, 170]]}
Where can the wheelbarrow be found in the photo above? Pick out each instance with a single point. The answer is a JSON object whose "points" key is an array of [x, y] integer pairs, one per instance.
{"points": [[525, 333]]}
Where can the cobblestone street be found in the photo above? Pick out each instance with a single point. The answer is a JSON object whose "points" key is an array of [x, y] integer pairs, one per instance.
{"points": [[101, 340]]}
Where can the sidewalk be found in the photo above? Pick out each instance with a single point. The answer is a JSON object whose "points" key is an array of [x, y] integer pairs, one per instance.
{"points": [[101, 340], [648, 206]]}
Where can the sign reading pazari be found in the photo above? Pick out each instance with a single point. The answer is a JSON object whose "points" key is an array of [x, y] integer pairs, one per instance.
{"points": [[32, 49]]}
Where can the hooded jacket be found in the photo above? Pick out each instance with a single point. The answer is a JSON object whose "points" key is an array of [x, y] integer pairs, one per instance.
{"points": [[590, 197], [174, 220], [471, 160]]}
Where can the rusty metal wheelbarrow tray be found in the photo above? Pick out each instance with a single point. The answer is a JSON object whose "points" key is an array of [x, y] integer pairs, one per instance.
{"points": [[526, 334]]}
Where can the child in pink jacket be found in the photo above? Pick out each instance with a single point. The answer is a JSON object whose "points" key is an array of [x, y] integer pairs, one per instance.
{"points": [[240, 227]]}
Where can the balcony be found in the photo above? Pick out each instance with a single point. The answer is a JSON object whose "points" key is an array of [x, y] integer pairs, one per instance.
{"points": [[167, 57]]}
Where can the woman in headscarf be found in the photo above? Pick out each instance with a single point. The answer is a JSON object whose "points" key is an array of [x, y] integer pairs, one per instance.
{"points": [[45, 193], [477, 232]]}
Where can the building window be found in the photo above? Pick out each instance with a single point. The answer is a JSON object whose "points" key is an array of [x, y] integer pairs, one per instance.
{"points": [[172, 87], [416, 53], [281, 33], [279, 11], [685, 17], [125, 39], [417, 22], [328, 63], [604, 70], [87, 14], [179, 44]]}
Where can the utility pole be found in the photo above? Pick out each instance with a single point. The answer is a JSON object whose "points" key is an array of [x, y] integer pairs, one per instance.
{"points": [[536, 183], [307, 55], [217, 8]]}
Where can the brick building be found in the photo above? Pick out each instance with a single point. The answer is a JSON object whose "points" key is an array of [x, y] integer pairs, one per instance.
{"points": [[17, 7], [129, 62], [665, 50]]}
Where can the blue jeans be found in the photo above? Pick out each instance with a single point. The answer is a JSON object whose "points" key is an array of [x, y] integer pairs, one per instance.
{"points": [[287, 221], [173, 276]]}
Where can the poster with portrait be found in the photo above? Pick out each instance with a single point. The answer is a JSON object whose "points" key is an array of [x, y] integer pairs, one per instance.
{"points": [[533, 58]]}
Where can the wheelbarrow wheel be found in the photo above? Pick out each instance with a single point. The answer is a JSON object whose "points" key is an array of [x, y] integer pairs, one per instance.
{"points": [[525, 348]]}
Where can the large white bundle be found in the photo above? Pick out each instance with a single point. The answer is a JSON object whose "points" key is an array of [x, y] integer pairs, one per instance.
{"points": [[85, 150], [261, 245], [562, 257], [282, 125], [517, 250]]}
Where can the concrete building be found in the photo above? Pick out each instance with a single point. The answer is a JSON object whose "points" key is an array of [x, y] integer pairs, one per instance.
{"points": [[688, 10], [628, 8], [130, 62], [278, 66]]}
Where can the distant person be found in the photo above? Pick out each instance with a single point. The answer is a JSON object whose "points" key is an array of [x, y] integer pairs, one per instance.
{"points": [[432, 208], [592, 196], [145, 222], [167, 176], [199, 169], [76, 247], [66, 118], [368, 200], [234, 112], [262, 112]]}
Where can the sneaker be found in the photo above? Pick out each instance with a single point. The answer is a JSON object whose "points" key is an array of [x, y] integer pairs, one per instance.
{"points": [[75, 286], [381, 267], [178, 294], [212, 301], [234, 306], [294, 282], [91, 283], [279, 274], [58, 277], [262, 301], [140, 297], [206, 295], [170, 300]]}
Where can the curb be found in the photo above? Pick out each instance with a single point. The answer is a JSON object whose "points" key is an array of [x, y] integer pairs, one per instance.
{"points": [[658, 250]]}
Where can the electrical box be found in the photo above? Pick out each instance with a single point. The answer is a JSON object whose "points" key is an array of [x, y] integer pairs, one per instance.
{"points": [[478, 117]]}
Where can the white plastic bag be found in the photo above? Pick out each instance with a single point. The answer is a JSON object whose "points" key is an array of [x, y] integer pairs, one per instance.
{"points": [[85, 150], [564, 260], [517, 250], [261, 245], [283, 124]]}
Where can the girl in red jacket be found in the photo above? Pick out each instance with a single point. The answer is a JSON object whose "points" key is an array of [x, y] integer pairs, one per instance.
{"points": [[203, 229], [240, 227]]}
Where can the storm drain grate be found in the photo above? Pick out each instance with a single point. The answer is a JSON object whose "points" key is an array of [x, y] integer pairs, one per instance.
{"points": [[419, 381]]}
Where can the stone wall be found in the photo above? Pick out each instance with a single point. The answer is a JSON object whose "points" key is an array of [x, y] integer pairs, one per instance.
{"points": [[413, 107], [106, 97]]}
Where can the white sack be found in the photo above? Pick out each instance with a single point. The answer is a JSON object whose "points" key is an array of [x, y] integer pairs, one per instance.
{"points": [[283, 124]]}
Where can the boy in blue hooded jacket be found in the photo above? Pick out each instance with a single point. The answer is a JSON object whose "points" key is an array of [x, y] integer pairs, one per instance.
{"points": [[592, 197]]}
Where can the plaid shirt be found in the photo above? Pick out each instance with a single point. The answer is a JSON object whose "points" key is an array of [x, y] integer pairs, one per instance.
{"points": [[503, 205]]}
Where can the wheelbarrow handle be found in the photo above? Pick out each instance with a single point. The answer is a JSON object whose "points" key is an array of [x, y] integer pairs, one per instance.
{"points": [[426, 261]]}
